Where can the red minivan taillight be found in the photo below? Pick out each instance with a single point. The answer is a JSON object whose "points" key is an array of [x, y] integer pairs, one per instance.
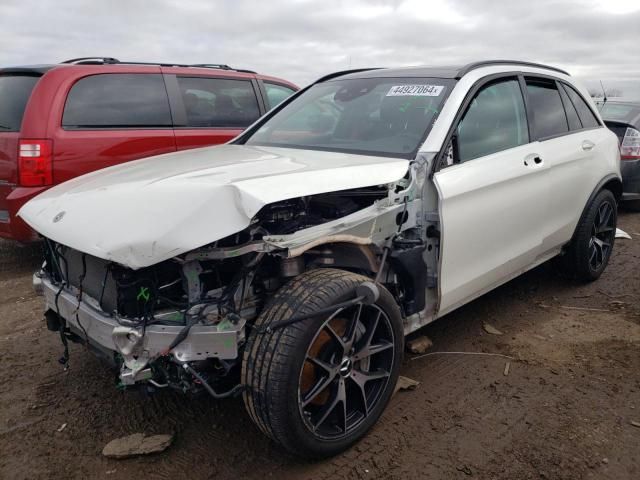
{"points": [[630, 146], [35, 162]]}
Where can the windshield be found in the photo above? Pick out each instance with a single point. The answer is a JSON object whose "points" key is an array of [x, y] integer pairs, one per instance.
{"points": [[374, 116]]}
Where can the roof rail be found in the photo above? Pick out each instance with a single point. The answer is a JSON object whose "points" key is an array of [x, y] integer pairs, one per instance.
{"points": [[113, 61], [344, 72], [92, 61], [487, 63]]}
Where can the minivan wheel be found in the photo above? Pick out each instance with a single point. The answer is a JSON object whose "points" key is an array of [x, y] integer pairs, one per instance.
{"points": [[590, 250], [317, 386]]}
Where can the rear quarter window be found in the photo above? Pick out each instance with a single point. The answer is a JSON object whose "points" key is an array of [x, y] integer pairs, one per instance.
{"points": [[15, 91], [118, 100], [587, 116]]}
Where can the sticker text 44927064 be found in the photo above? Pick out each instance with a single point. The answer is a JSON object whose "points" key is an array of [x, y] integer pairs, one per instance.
{"points": [[415, 90]]}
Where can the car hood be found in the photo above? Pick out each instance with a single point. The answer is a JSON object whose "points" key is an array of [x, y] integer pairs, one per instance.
{"points": [[143, 212]]}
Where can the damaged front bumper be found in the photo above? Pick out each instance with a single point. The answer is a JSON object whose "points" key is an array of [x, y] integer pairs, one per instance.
{"points": [[138, 346]]}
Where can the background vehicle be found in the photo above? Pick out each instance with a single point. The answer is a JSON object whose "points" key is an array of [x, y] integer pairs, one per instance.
{"points": [[297, 256], [623, 117], [61, 121]]}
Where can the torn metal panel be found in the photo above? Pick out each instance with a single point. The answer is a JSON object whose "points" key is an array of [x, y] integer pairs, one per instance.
{"points": [[372, 225]]}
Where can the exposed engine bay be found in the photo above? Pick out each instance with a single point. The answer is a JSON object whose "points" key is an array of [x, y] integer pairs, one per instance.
{"points": [[182, 323]]}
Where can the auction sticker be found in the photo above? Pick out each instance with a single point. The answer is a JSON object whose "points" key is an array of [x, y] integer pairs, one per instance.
{"points": [[415, 90]]}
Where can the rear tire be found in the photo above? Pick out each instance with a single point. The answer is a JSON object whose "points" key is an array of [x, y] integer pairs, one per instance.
{"points": [[590, 250], [317, 386]]}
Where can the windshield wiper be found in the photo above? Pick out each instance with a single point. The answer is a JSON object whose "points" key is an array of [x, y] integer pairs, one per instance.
{"points": [[5, 127]]}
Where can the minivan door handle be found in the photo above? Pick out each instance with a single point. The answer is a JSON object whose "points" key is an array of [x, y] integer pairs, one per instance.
{"points": [[588, 145]]}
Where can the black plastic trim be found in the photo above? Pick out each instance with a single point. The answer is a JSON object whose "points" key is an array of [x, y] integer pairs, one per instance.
{"points": [[594, 193]]}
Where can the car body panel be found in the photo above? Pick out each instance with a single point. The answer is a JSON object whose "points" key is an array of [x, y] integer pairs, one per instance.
{"points": [[150, 210], [491, 211]]}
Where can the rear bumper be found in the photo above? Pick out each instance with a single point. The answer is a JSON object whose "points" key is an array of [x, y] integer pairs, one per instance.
{"points": [[136, 346], [630, 170], [12, 199]]}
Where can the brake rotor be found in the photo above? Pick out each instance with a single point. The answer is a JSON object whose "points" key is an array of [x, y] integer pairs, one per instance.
{"points": [[317, 349]]}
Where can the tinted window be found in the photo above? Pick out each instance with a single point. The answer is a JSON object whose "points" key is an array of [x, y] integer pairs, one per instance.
{"points": [[548, 113], [15, 91], [277, 93], [495, 120], [587, 117], [118, 101], [377, 116], [572, 115], [218, 102]]}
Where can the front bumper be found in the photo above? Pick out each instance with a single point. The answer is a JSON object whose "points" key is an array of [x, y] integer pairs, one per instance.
{"points": [[137, 347]]}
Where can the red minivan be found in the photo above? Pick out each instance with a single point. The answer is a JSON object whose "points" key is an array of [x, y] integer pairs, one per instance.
{"points": [[64, 120]]}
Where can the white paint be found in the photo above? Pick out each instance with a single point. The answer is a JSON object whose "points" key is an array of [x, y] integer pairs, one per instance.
{"points": [[143, 212]]}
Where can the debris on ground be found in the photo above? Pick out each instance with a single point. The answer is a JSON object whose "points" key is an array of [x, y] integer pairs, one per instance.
{"points": [[635, 424], [405, 383], [419, 344], [136, 444], [506, 368], [62, 427], [491, 329], [622, 234], [464, 469]]}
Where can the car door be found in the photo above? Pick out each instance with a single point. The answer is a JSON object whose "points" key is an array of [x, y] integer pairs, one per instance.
{"points": [[570, 138], [493, 198], [209, 110]]}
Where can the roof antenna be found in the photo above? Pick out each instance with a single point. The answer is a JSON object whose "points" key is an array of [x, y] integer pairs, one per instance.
{"points": [[604, 95]]}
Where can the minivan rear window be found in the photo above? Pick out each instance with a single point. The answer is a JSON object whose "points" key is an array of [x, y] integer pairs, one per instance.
{"points": [[118, 100], [15, 91]]}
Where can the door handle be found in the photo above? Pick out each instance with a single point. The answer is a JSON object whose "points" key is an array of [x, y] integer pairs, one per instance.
{"points": [[533, 159], [588, 145]]}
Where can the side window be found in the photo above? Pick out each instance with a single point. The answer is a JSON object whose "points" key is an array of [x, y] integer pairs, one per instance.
{"points": [[218, 102], [277, 93], [495, 120], [572, 114], [549, 117], [117, 100], [587, 117]]}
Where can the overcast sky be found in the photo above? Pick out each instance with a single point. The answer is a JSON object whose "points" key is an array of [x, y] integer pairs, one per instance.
{"points": [[302, 39]]}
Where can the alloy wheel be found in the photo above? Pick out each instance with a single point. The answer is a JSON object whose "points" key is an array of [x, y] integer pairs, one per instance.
{"points": [[346, 370]]}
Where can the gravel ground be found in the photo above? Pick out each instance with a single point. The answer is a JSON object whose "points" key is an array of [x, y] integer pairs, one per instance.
{"points": [[564, 411]]}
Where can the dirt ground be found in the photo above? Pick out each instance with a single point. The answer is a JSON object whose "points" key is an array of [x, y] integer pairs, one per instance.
{"points": [[564, 411]]}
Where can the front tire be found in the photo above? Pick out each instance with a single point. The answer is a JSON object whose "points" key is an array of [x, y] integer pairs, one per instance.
{"points": [[317, 386], [590, 250]]}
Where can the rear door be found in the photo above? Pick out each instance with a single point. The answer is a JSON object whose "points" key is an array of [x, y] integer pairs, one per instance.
{"points": [[493, 199], [210, 110], [112, 118], [15, 90], [570, 138]]}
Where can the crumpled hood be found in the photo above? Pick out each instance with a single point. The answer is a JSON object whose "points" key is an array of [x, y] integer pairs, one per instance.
{"points": [[143, 212]]}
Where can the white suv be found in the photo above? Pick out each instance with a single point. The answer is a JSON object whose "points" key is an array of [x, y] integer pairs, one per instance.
{"points": [[289, 264]]}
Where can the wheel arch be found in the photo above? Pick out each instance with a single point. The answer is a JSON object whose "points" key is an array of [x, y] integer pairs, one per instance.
{"points": [[611, 182]]}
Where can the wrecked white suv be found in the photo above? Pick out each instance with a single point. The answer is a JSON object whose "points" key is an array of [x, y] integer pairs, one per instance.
{"points": [[288, 265]]}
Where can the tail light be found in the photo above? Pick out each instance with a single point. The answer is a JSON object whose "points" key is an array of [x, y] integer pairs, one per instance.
{"points": [[630, 146], [35, 162]]}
